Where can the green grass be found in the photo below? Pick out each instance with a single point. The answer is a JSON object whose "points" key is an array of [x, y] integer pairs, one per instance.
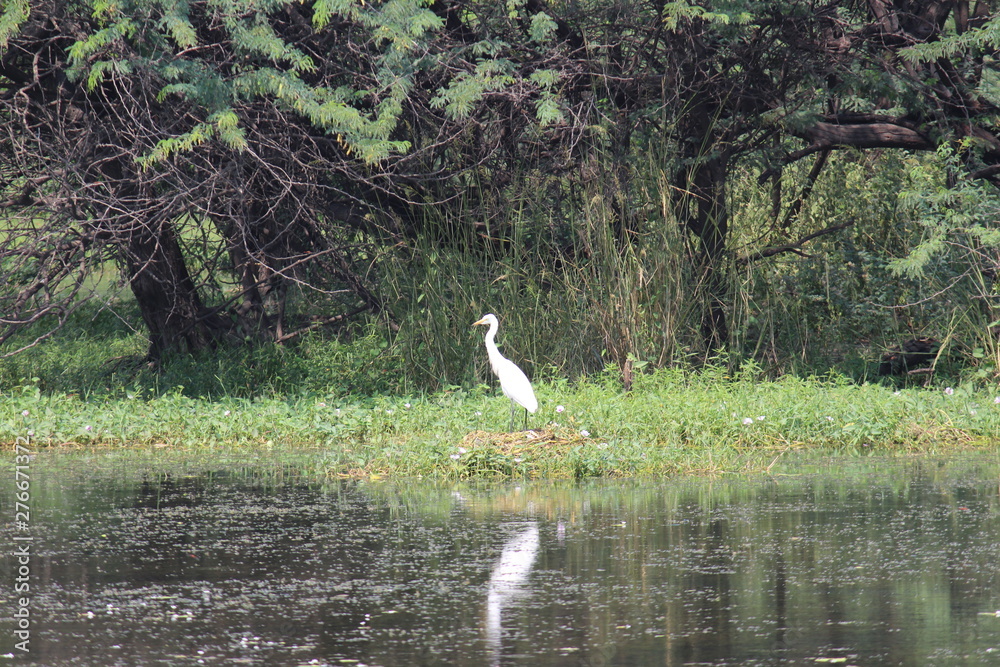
{"points": [[350, 404], [97, 354], [672, 422]]}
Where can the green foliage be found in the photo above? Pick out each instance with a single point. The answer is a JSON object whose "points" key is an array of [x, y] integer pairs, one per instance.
{"points": [[548, 107], [679, 11], [98, 354], [671, 422], [465, 90], [586, 270], [12, 14], [958, 222], [956, 253], [976, 40], [223, 125], [160, 38], [606, 301], [610, 304], [897, 273], [542, 27]]}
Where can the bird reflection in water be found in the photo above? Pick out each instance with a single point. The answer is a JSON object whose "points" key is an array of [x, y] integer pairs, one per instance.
{"points": [[508, 582]]}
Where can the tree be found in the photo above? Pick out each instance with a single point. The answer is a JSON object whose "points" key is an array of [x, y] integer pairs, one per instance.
{"points": [[739, 81], [228, 155], [274, 142]]}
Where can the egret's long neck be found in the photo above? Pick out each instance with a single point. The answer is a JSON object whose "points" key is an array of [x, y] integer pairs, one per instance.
{"points": [[491, 334], [491, 346]]}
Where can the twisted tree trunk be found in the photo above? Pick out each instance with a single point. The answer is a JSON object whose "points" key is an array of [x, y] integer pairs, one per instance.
{"points": [[167, 297]]}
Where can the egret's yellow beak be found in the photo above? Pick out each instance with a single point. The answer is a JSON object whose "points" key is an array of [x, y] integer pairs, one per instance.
{"points": [[482, 321]]}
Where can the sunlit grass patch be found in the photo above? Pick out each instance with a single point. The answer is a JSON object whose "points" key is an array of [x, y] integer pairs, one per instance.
{"points": [[671, 422]]}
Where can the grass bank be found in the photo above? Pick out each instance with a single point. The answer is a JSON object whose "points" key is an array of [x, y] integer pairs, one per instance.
{"points": [[671, 422]]}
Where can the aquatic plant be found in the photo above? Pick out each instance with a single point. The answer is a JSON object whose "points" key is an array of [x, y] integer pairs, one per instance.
{"points": [[670, 422]]}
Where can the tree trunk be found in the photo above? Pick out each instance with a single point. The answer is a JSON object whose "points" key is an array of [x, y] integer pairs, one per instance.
{"points": [[250, 311], [703, 215], [168, 300]]}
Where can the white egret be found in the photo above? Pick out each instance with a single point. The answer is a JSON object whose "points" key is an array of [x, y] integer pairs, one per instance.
{"points": [[513, 381]]}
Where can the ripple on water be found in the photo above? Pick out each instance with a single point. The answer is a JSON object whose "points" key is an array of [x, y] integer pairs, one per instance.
{"points": [[892, 567]]}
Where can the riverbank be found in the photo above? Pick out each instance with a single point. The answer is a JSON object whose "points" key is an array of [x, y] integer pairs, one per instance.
{"points": [[670, 423]]}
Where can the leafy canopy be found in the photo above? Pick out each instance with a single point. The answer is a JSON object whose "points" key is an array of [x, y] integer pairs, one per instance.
{"points": [[225, 55]]}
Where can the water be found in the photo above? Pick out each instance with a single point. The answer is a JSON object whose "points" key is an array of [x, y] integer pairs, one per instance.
{"points": [[163, 561]]}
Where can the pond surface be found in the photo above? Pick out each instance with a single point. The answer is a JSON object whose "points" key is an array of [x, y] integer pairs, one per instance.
{"points": [[165, 561]]}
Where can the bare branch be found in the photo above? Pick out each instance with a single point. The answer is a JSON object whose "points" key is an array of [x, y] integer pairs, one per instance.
{"points": [[795, 247]]}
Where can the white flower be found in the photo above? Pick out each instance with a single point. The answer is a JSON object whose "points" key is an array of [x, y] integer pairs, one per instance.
{"points": [[407, 406], [388, 412], [455, 457], [462, 450], [25, 413], [748, 421], [226, 413], [761, 418], [829, 419], [478, 413], [585, 433], [88, 427], [31, 434], [896, 393], [321, 404], [559, 408], [997, 400], [949, 391], [518, 459]]}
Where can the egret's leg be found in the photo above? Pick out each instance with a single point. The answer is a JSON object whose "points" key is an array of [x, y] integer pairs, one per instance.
{"points": [[512, 408]]}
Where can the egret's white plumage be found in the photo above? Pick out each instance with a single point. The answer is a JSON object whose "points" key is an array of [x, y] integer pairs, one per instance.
{"points": [[513, 381]]}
